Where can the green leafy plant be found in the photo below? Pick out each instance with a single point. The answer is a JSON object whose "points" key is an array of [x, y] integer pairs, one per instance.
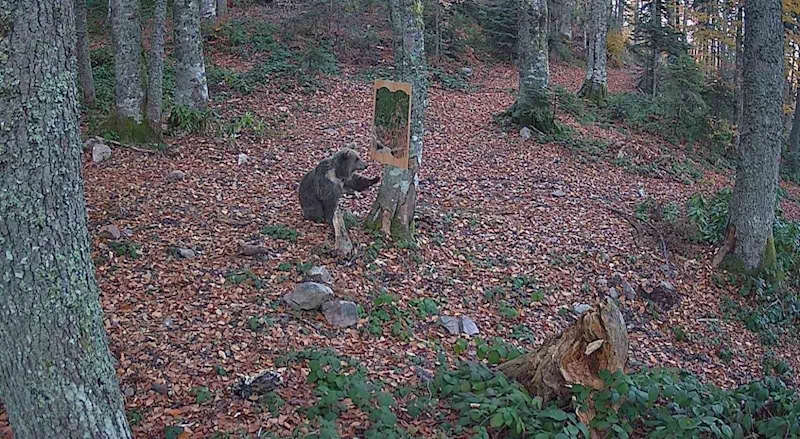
{"points": [[280, 232], [496, 352], [188, 120], [126, 249], [201, 394]]}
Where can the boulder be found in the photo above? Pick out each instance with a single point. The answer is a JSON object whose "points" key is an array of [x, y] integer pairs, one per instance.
{"points": [[458, 325], [319, 274], [186, 253], [628, 291], [308, 296], [100, 152], [580, 308], [110, 232], [558, 193], [176, 175], [340, 313], [525, 133]]}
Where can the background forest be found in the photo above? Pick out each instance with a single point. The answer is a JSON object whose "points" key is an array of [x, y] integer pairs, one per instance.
{"points": [[582, 160]]}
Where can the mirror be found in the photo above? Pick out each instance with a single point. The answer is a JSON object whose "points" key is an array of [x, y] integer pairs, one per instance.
{"points": [[391, 123]]}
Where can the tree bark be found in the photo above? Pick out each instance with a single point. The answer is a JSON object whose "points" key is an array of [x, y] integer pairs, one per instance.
{"points": [[561, 16], [533, 107], [126, 34], [739, 68], [752, 208], [208, 10], [191, 88], [82, 50], [595, 86], [57, 378], [222, 10], [793, 153], [597, 341], [393, 211], [155, 88]]}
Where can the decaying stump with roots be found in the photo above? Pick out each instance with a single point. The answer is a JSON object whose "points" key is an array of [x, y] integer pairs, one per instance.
{"points": [[342, 239], [597, 341]]}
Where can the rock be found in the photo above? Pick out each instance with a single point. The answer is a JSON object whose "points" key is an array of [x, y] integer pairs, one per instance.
{"points": [[110, 232], [580, 308], [458, 325], [330, 131], [340, 313], [466, 71], [558, 193], [628, 291], [525, 133], [176, 175], [242, 158], [308, 296], [451, 324], [259, 384], [186, 253], [160, 388], [665, 296], [100, 152], [468, 326], [252, 249], [613, 293], [319, 274]]}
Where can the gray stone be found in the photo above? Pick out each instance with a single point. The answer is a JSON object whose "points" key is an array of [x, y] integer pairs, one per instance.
{"points": [[451, 324], [186, 253], [628, 290], [242, 158], [466, 71], [581, 308], [308, 296], [319, 274], [110, 232], [330, 131], [558, 193], [176, 175], [613, 293], [340, 313], [468, 326], [525, 133], [458, 325], [667, 286], [100, 152]]}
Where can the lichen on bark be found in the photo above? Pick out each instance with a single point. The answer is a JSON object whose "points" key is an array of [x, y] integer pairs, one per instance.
{"points": [[57, 377]]}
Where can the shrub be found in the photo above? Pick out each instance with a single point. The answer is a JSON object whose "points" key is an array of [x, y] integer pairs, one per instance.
{"points": [[187, 120], [616, 42]]}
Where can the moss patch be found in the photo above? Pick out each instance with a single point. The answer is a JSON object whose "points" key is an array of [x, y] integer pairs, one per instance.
{"points": [[127, 130]]}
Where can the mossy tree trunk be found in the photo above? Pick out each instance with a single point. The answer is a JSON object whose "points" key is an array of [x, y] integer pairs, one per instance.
{"points": [[597, 341], [126, 34], [793, 152], [739, 68], [85, 78], [393, 211], [155, 88], [561, 13], [533, 106], [752, 208], [595, 86], [222, 10], [191, 88], [57, 377]]}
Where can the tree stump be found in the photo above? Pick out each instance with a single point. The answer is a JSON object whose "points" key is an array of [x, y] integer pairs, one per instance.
{"points": [[597, 341], [342, 239]]}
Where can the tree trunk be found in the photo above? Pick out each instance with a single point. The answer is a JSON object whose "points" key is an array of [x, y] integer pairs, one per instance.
{"points": [[126, 34], [57, 377], [595, 86], [82, 50], [752, 208], [208, 10], [393, 211], [222, 10], [155, 89], [597, 341], [533, 107], [739, 68], [191, 89], [561, 15], [793, 153]]}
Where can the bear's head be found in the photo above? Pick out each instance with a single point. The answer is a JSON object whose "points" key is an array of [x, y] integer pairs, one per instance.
{"points": [[346, 162]]}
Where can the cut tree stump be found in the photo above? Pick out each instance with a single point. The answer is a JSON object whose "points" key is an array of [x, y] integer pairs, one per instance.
{"points": [[597, 341]]}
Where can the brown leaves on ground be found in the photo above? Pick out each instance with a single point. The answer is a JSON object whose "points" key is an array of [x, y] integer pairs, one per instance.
{"points": [[485, 216]]}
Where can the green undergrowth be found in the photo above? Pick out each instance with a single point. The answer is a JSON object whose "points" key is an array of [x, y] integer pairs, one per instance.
{"points": [[770, 300], [473, 400], [278, 63]]}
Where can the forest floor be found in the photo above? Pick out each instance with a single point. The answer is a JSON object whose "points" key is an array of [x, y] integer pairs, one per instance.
{"points": [[493, 232]]}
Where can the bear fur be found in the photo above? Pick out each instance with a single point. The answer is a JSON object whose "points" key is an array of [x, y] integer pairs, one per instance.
{"points": [[321, 188]]}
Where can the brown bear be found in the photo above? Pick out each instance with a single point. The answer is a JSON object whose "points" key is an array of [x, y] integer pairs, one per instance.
{"points": [[321, 188]]}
